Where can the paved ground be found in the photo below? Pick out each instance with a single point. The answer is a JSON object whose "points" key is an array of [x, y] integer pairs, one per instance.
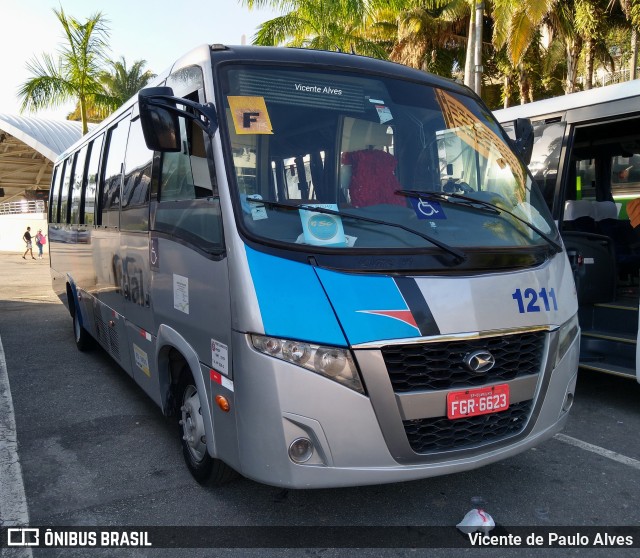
{"points": [[27, 280], [93, 450]]}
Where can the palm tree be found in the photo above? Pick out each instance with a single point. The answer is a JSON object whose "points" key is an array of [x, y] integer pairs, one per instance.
{"points": [[430, 34], [589, 22], [516, 23], [318, 24], [562, 23], [76, 73], [120, 83], [631, 10], [94, 113]]}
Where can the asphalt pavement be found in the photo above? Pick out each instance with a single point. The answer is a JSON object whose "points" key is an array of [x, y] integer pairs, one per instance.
{"points": [[88, 448]]}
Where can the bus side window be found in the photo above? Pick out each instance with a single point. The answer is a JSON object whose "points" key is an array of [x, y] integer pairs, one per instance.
{"points": [[92, 180], [111, 192], [134, 213], [185, 175], [76, 187], [55, 193], [189, 207], [545, 159], [65, 194]]}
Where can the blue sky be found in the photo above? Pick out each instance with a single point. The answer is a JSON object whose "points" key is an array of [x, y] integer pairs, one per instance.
{"points": [[158, 31]]}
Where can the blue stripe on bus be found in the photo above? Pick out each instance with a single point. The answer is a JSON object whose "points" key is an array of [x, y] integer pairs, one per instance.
{"points": [[370, 308], [292, 302]]}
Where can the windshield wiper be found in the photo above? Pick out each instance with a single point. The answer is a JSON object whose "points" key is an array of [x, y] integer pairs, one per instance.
{"points": [[471, 202], [459, 255]]}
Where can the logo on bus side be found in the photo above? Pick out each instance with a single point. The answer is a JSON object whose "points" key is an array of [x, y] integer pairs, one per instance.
{"points": [[154, 254]]}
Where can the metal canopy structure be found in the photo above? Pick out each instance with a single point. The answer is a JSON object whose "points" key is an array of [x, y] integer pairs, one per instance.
{"points": [[28, 147]]}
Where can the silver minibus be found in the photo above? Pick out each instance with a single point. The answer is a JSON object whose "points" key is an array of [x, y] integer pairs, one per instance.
{"points": [[331, 270]]}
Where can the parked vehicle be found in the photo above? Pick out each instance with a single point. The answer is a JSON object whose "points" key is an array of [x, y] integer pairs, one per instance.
{"points": [[586, 160], [334, 270]]}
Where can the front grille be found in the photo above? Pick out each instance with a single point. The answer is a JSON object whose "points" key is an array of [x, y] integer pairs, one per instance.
{"points": [[437, 366], [441, 434]]}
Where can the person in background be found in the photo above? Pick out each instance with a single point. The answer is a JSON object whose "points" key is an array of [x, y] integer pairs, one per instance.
{"points": [[41, 240], [27, 240]]}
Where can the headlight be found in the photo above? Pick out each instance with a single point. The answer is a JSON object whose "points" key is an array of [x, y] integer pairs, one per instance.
{"points": [[566, 335], [332, 362]]}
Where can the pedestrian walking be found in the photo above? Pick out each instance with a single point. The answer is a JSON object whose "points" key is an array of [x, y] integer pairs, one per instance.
{"points": [[28, 242], [41, 240]]}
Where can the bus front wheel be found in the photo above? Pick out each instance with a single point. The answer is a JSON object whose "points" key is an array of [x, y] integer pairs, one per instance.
{"points": [[204, 468], [83, 340]]}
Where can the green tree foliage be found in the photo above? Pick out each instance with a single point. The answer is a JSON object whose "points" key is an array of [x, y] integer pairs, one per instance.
{"points": [[538, 48], [431, 34], [75, 74], [338, 25], [121, 83], [515, 24]]}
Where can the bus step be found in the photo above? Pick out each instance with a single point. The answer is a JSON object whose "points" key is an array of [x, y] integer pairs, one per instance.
{"points": [[610, 317], [609, 368], [610, 336]]}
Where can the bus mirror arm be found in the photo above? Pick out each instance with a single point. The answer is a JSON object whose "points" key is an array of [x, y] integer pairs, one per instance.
{"points": [[206, 116], [524, 139], [159, 118]]}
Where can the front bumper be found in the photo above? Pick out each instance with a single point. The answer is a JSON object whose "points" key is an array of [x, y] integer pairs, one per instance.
{"points": [[360, 440]]}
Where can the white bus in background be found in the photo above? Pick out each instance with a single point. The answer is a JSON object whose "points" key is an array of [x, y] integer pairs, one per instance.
{"points": [[586, 160], [333, 270]]}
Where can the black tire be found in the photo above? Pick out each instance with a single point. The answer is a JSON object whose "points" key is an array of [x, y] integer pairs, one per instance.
{"points": [[83, 340], [204, 468]]}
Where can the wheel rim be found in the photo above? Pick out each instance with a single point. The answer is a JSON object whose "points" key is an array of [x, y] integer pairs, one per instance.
{"points": [[192, 424]]}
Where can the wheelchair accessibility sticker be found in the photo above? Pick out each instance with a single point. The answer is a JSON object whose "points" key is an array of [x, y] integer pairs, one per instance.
{"points": [[426, 209]]}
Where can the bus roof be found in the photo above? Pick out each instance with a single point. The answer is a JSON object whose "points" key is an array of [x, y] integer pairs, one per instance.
{"points": [[563, 103], [330, 59], [282, 55]]}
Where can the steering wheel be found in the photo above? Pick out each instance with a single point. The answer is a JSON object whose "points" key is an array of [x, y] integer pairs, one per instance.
{"points": [[456, 187]]}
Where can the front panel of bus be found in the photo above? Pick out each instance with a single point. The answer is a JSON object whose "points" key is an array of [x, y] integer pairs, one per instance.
{"points": [[401, 303]]}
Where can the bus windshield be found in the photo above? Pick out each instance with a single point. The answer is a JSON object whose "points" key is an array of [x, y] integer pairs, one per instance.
{"points": [[355, 145]]}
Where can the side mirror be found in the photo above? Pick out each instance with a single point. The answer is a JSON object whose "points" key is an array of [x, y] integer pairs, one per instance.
{"points": [[524, 139], [159, 119]]}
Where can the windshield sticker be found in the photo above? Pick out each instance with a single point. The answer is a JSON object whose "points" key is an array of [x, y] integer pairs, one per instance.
{"points": [[258, 210], [290, 89], [427, 209], [250, 115], [464, 124], [321, 229], [325, 90], [181, 293], [384, 113]]}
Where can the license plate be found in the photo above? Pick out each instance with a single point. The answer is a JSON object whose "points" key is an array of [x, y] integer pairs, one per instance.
{"points": [[477, 401]]}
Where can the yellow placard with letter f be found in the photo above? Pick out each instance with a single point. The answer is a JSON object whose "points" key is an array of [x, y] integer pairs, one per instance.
{"points": [[250, 115]]}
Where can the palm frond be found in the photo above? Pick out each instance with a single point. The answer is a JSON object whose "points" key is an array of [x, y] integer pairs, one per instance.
{"points": [[47, 87], [278, 30], [521, 32]]}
